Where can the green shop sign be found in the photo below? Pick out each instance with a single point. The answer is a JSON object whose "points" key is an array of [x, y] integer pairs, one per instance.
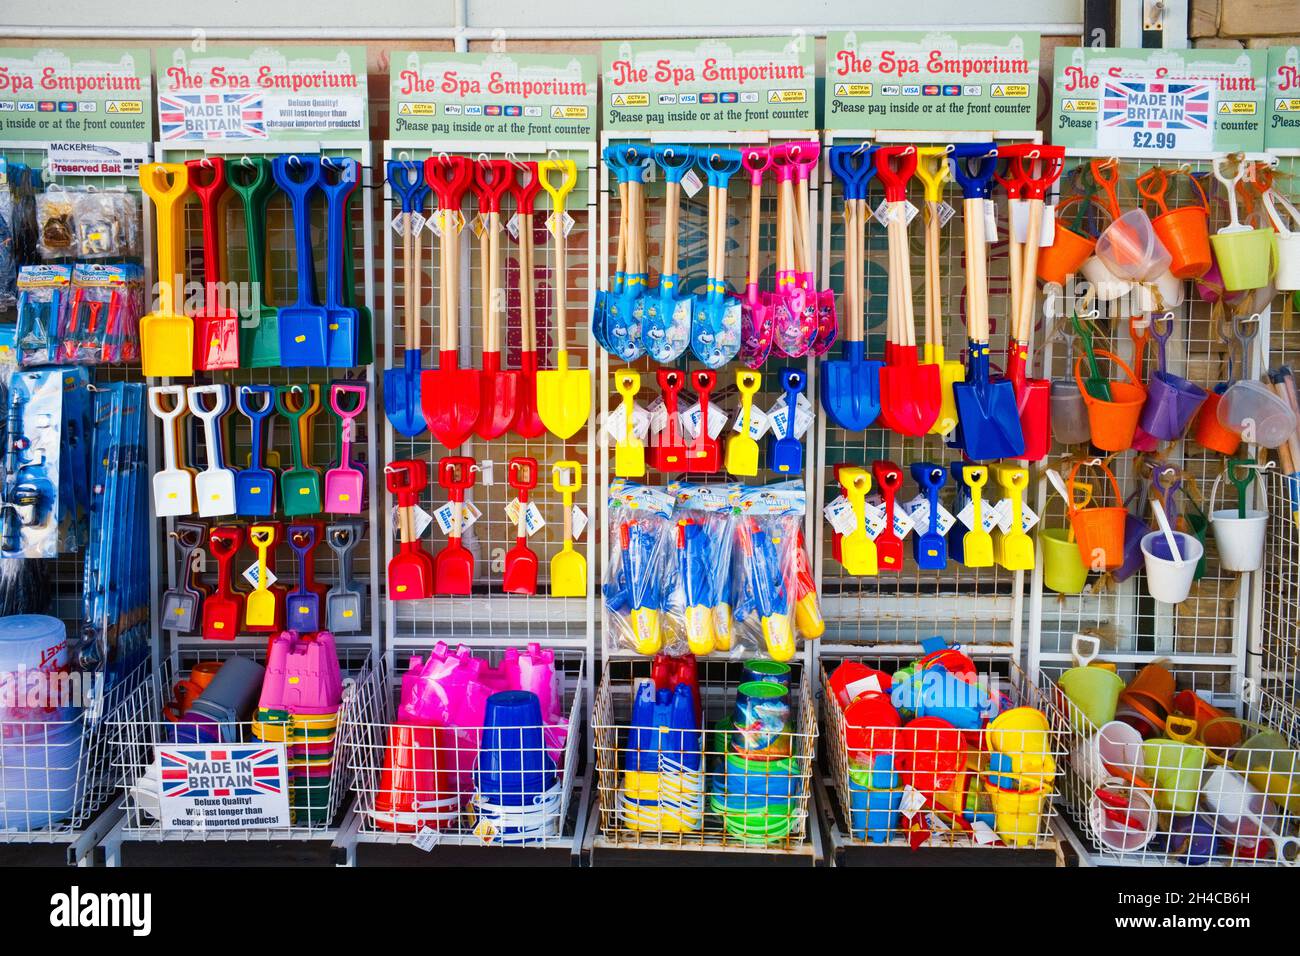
{"points": [[493, 96], [1159, 102], [251, 94], [75, 94], [716, 84], [931, 80], [1283, 116]]}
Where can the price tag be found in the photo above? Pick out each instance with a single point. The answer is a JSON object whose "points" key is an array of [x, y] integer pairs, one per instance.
{"points": [[946, 212], [988, 516], [919, 509], [513, 225], [533, 520], [990, 221], [839, 515], [779, 423], [913, 801], [468, 515], [691, 183], [579, 522], [418, 222], [886, 209], [250, 575], [875, 519], [757, 423], [420, 518], [1157, 118], [692, 416], [426, 839], [616, 423], [562, 222]]}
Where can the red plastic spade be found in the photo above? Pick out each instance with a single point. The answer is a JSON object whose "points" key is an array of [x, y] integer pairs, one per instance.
{"points": [[527, 186], [410, 571], [224, 608], [521, 561], [667, 451], [499, 388], [449, 395], [889, 546], [705, 452], [216, 327], [453, 567]]}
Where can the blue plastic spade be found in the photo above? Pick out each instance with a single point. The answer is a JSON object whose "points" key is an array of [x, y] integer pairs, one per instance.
{"points": [[930, 550], [666, 326], [302, 324], [255, 484]]}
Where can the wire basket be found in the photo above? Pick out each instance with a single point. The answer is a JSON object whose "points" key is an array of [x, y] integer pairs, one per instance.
{"points": [[729, 787], [932, 782], [1221, 791], [140, 725], [56, 776], [507, 785]]}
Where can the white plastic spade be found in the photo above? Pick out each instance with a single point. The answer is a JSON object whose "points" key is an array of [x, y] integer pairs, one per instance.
{"points": [[173, 486], [215, 485]]}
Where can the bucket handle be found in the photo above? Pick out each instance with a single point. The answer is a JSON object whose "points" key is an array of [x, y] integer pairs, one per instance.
{"points": [[1279, 222], [1084, 649], [1095, 463], [1110, 357]]}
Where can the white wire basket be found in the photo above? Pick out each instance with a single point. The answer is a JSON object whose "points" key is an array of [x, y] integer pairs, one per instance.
{"points": [[140, 725], [711, 790], [932, 784], [56, 776], [1218, 791], [418, 782]]}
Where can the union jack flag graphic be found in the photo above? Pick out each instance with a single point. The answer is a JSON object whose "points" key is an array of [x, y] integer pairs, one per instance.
{"points": [[1141, 105], [211, 116], [258, 770]]}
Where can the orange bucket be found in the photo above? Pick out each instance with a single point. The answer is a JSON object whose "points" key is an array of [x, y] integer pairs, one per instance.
{"points": [[1113, 423], [1150, 695], [1069, 250], [1099, 532], [1210, 433], [1185, 230]]}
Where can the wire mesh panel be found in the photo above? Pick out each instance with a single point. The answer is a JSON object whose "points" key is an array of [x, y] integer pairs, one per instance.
{"points": [[1220, 790], [968, 763], [707, 765], [55, 776], [975, 602], [490, 614], [1280, 605], [1212, 338], [742, 280], [150, 717], [323, 429], [500, 784]]}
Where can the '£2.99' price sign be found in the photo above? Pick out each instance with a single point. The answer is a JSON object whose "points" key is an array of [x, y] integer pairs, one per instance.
{"points": [[1156, 117]]}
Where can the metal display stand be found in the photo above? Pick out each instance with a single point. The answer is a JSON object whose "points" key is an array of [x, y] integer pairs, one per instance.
{"points": [[139, 725], [73, 842], [489, 620]]}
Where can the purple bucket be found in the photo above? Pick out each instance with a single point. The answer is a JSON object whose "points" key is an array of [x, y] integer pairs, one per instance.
{"points": [[1134, 530], [1172, 402]]}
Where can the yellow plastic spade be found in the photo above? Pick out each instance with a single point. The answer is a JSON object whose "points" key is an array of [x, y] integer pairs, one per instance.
{"points": [[629, 451], [563, 394], [933, 170], [1013, 550], [568, 567], [259, 606], [742, 450], [857, 550], [166, 334], [977, 544]]}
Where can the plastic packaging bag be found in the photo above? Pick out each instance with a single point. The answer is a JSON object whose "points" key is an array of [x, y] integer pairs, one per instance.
{"points": [[56, 229], [700, 603], [43, 298], [642, 566]]}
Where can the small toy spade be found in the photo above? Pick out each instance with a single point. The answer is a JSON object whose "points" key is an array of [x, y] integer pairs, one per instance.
{"points": [[224, 608], [786, 452], [180, 605], [521, 561], [345, 602], [453, 566], [304, 602]]}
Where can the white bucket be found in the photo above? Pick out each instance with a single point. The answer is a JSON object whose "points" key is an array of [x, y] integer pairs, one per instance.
{"points": [[1288, 241], [1141, 816], [1114, 750], [1167, 581], [1108, 286], [1240, 540]]}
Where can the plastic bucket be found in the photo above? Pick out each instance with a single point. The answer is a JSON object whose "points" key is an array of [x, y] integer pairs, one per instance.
{"points": [[870, 726], [1288, 262], [1185, 232], [1065, 256], [1094, 692], [1248, 403], [875, 798], [39, 779], [1107, 285], [1129, 830], [1134, 530], [1115, 750], [1171, 403], [1168, 581], [1150, 695], [1069, 413], [1099, 532], [1017, 813], [1247, 260], [1131, 249], [1063, 568], [1209, 433], [1240, 540], [1113, 423], [1174, 764], [31, 645]]}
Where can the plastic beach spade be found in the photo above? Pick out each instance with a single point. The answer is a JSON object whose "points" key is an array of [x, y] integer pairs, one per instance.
{"points": [[521, 561], [216, 325], [742, 450], [173, 486], [410, 570], [302, 324], [402, 385], [180, 605], [563, 394], [215, 485], [345, 602], [453, 567], [629, 451], [341, 175], [264, 607], [300, 488], [345, 484], [303, 604], [223, 609], [568, 566], [930, 550], [250, 177], [167, 334], [255, 484], [786, 451]]}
